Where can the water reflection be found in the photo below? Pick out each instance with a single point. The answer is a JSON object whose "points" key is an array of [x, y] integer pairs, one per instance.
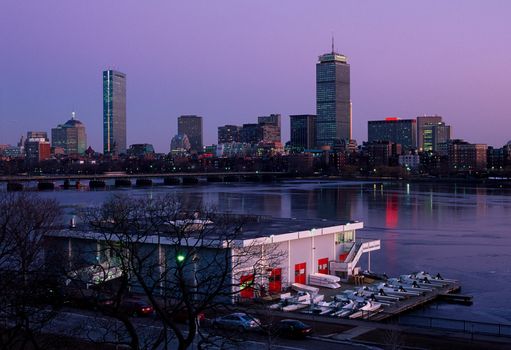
{"points": [[391, 210]]}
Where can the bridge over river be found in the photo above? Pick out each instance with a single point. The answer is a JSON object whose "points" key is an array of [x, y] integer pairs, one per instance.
{"points": [[121, 179]]}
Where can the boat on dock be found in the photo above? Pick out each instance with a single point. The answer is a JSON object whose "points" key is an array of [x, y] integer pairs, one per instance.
{"points": [[400, 289], [437, 278], [365, 308], [324, 280], [410, 285], [374, 275], [376, 301], [299, 287], [345, 308]]}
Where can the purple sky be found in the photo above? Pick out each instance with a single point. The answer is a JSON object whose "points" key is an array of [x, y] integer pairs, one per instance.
{"points": [[231, 61]]}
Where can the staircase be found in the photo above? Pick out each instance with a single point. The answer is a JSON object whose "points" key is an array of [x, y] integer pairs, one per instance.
{"points": [[356, 251]]}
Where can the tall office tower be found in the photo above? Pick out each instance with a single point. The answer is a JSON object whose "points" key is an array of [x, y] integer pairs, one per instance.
{"points": [[303, 131], [333, 104], [37, 146], [191, 126], [434, 134], [70, 136], [114, 112], [400, 131], [421, 122], [228, 134]]}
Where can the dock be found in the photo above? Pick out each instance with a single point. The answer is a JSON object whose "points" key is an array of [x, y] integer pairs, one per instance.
{"points": [[457, 298], [393, 305], [413, 302]]}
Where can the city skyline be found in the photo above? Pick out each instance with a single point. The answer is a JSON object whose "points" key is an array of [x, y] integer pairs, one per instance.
{"points": [[408, 70]]}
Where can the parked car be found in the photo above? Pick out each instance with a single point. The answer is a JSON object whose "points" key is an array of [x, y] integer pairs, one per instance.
{"points": [[131, 306], [239, 321], [293, 328]]}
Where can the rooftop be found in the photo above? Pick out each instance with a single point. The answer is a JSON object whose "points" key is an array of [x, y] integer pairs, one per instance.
{"points": [[253, 228], [333, 57], [73, 123]]}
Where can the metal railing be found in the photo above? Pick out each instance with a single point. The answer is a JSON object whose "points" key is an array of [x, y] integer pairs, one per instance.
{"points": [[465, 326], [440, 323]]}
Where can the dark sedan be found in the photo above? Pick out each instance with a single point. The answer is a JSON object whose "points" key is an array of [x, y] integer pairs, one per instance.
{"points": [[293, 329], [129, 306]]}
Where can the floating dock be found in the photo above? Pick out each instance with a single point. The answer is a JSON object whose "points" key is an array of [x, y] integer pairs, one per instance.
{"points": [[413, 302], [393, 304]]}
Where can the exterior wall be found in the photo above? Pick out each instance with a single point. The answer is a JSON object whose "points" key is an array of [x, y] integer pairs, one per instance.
{"points": [[303, 131], [306, 250], [409, 160], [282, 251], [191, 125], [64, 254], [401, 131], [379, 152], [300, 252], [324, 247], [466, 156], [251, 133], [44, 150], [309, 250], [271, 133], [72, 139], [435, 134], [228, 134], [271, 127], [343, 243], [421, 123]]}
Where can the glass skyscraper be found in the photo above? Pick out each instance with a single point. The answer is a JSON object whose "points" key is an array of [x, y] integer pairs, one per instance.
{"points": [[333, 101], [114, 112]]}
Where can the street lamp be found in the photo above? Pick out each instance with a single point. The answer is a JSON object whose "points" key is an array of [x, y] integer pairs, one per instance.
{"points": [[180, 258]]}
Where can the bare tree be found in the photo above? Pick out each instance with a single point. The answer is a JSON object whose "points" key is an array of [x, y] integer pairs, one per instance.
{"points": [[185, 260], [26, 286]]}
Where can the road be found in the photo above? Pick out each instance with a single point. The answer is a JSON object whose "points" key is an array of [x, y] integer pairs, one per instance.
{"points": [[95, 327]]}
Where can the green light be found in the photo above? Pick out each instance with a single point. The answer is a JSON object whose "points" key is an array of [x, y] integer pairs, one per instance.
{"points": [[180, 258]]}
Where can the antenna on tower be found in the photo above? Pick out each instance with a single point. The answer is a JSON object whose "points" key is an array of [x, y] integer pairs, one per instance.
{"points": [[73, 115], [333, 43]]}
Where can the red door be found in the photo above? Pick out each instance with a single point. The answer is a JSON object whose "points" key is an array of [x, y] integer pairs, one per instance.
{"points": [[300, 270], [323, 266], [247, 286], [343, 256], [275, 285]]}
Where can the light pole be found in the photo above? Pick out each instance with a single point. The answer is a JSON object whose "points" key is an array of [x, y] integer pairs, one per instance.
{"points": [[195, 260]]}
